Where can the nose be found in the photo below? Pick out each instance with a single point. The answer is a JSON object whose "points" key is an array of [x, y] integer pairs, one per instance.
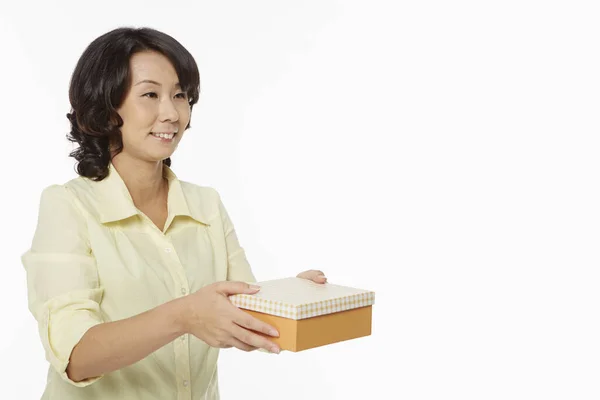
{"points": [[167, 111]]}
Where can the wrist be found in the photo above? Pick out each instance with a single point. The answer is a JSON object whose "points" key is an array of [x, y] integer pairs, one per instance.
{"points": [[179, 311]]}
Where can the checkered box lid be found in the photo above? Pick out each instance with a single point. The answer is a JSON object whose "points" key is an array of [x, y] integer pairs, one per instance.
{"points": [[298, 298]]}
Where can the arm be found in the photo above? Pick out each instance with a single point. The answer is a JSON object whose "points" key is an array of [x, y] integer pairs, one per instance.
{"points": [[65, 295], [238, 268], [113, 345]]}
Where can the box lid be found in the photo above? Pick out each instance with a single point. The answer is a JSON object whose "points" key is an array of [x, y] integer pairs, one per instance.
{"points": [[298, 298]]}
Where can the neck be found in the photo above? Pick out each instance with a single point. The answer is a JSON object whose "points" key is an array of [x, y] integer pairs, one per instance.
{"points": [[143, 179]]}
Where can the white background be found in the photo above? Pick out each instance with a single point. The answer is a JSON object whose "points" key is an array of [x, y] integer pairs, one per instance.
{"points": [[444, 154]]}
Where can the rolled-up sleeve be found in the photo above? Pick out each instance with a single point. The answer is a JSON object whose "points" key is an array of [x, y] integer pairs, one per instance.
{"points": [[64, 294], [238, 268]]}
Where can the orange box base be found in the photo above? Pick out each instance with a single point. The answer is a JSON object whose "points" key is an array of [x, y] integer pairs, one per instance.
{"points": [[303, 334]]}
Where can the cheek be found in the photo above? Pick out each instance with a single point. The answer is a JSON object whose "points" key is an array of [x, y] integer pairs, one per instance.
{"points": [[144, 115], [138, 122], [137, 125], [184, 113]]}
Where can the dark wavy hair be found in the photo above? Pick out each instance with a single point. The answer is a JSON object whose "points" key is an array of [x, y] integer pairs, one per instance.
{"points": [[100, 83]]}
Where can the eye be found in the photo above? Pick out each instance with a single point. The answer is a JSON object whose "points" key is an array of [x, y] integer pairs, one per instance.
{"points": [[149, 93], [182, 95]]}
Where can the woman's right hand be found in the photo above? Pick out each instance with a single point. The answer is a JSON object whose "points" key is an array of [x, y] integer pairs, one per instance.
{"points": [[211, 317]]}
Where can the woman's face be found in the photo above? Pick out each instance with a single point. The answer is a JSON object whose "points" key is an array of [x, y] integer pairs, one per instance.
{"points": [[155, 111]]}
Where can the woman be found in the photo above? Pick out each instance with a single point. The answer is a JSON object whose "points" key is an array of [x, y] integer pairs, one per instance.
{"points": [[130, 269]]}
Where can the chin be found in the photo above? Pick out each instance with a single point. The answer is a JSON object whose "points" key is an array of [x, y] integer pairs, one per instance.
{"points": [[156, 157], [163, 157]]}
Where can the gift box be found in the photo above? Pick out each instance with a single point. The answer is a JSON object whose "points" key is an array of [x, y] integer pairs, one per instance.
{"points": [[308, 314]]}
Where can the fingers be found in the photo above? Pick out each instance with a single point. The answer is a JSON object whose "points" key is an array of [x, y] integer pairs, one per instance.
{"points": [[252, 339], [241, 345], [247, 321], [229, 288], [311, 273], [314, 275]]}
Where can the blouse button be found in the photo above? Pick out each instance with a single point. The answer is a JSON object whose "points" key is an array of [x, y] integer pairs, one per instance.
{"points": [[167, 249], [185, 383]]}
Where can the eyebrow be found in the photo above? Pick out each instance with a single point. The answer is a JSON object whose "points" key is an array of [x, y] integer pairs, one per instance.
{"points": [[154, 83]]}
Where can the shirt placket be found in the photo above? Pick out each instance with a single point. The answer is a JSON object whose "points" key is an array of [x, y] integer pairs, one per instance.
{"points": [[182, 355], [180, 345]]}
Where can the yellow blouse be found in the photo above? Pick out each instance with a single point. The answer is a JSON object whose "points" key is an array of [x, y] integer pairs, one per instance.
{"points": [[96, 258]]}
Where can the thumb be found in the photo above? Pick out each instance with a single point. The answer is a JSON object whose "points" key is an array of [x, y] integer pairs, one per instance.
{"points": [[230, 288]]}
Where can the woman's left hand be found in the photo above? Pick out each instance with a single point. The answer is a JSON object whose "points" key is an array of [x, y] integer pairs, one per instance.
{"points": [[313, 275]]}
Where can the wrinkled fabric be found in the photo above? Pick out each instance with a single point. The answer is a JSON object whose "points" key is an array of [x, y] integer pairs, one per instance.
{"points": [[96, 258]]}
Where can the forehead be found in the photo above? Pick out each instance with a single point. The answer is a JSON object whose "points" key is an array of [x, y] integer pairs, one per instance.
{"points": [[152, 65]]}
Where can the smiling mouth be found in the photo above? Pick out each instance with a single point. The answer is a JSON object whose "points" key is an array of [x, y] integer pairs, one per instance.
{"points": [[164, 135]]}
